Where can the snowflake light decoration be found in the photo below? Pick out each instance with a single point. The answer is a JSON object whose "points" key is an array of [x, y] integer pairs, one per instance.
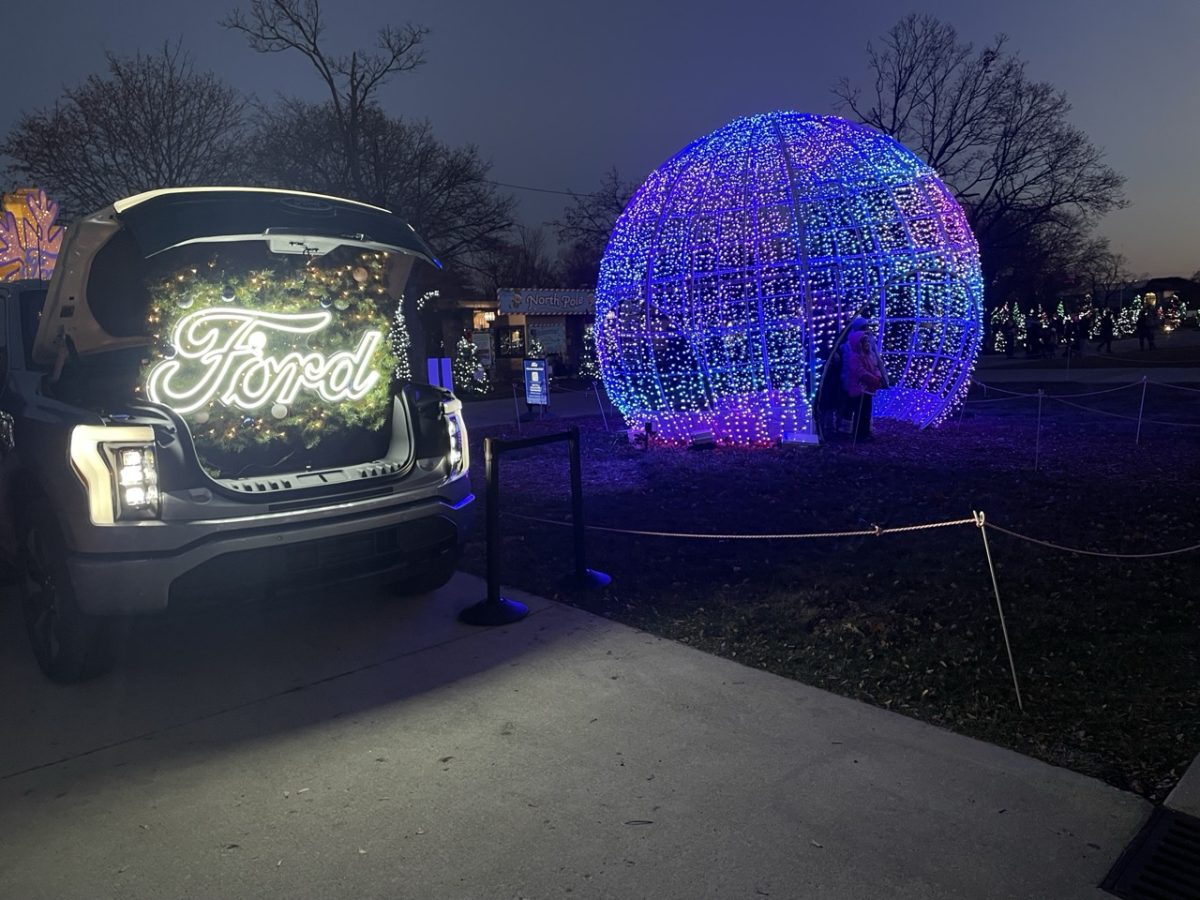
{"points": [[738, 263], [29, 239]]}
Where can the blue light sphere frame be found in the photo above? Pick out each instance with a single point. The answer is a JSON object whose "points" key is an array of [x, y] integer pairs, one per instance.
{"points": [[740, 261]]}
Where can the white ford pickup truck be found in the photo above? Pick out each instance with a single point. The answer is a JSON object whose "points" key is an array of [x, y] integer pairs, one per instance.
{"points": [[211, 396]]}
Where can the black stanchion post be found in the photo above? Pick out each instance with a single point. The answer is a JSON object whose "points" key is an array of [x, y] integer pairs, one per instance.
{"points": [[583, 576], [494, 610]]}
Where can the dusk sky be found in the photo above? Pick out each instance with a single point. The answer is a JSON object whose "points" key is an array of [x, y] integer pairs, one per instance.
{"points": [[555, 94]]}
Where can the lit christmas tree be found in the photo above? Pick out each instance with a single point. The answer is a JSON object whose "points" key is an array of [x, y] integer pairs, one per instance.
{"points": [[1127, 319], [1001, 317], [536, 350], [401, 343], [470, 377], [589, 367]]}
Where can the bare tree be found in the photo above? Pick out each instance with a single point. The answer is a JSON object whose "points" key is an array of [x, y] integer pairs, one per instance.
{"points": [[587, 225], [1001, 141], [275, 26], [520, 262], [151, 123], [442, 191]]}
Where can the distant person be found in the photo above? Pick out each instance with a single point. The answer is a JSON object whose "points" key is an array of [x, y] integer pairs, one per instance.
{"points": [[1049, 340], [832, 400], [863, 376], [1145, 328], [1079, 337], [1068, 341], [1106, 331], [1033, 335]]}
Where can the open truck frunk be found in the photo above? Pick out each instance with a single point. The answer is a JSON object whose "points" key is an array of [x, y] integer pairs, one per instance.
{"points": [[212, 396]]}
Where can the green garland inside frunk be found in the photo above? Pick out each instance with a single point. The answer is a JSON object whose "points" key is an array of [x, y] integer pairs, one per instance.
{"points": [[356, 297]]}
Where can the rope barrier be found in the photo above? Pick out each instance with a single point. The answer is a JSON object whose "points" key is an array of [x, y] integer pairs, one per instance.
{"points": [[1055, 546], [1178, 387], [998, 399], [978, 519], [1112, 358], [989, 387], [873, 531], [1121, 387], [1114, 415], [1126, 361]]}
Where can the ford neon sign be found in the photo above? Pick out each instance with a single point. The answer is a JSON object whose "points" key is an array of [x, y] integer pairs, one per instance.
{"points": [[232, 356]]}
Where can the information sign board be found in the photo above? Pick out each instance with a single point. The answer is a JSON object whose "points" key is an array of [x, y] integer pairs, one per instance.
{"points": [[537, 388]]}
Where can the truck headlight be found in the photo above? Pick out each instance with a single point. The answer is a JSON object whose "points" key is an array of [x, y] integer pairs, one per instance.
{"points": [[460, 456], [137, 482], [119, 468]]}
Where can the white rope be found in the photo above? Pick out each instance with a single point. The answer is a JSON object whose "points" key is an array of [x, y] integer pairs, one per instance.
{"points": [[873, 531], [1120, 387], [990, 387], [1114, 415], [1052, 545], [1086, 394], [1178, 387], [1126, 361]]}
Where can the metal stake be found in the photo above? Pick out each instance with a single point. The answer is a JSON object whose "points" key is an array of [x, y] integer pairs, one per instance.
{"points": [[1012, 666], [600, 403], [1037, 450], [1138, 439]]}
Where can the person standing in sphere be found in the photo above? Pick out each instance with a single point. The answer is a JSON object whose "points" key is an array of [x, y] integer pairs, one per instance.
{"points": [[862, 376]]}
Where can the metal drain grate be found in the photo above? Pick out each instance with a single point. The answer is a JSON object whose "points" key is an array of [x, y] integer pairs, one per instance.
{"points": [[1162, 863]]}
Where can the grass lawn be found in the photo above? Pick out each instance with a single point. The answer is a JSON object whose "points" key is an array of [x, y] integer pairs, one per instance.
{"points": [[1107, 650]]}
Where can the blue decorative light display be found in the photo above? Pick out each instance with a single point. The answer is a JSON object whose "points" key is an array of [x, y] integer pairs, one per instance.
{"points": [[738, 263]]}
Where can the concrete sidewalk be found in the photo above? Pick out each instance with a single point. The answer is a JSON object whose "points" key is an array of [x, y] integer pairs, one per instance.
{"points": [[357, 747]]}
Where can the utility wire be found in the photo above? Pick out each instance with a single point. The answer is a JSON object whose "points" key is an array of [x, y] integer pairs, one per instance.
{"points": [[524, 187]]}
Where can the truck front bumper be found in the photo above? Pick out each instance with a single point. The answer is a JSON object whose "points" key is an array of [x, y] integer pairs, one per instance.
{"points": [[389, 542]]}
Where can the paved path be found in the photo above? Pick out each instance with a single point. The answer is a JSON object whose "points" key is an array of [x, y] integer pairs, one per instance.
{"points": [[358, 747]]}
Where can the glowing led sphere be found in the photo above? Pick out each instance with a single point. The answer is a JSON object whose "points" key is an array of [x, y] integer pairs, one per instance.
{"points": [[736, 266]]}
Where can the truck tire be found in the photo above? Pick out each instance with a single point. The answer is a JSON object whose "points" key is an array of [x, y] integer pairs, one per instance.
{"points": [[70, 645]]}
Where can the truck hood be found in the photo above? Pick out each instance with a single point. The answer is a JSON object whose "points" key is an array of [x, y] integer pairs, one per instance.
{"points": [[291, 222]]}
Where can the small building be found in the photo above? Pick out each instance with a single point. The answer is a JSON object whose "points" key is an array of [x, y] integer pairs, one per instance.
{"points": [[508, 328]]}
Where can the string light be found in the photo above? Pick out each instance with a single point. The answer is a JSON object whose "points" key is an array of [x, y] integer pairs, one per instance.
{"points": [[738, 263], [29, 238], [226, 343]]}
